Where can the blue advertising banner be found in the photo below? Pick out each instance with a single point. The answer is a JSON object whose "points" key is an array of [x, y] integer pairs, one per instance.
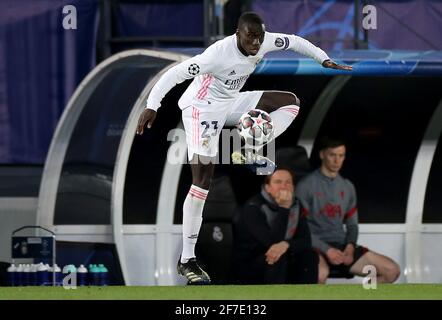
{"points": [[391, 24], [42, 60]]}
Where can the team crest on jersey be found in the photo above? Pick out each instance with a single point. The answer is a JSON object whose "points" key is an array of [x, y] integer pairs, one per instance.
{"points": [[279, 42], [205, 142], [194, 69]]}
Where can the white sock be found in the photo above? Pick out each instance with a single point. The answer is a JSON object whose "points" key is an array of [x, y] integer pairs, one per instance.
{"points": [[192, 219], [283, 117]]}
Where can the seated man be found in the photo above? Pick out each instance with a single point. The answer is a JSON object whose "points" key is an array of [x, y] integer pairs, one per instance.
{"points": [[329, 201], [272, 239]]}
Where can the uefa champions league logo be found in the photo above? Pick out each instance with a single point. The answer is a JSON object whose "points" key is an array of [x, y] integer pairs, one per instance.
{"points": [[217, 234], [24, 248]]}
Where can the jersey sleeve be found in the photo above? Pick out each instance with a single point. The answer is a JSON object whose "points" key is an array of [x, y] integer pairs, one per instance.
{"points": [[281, 41], [351, 216], [203, 63]]}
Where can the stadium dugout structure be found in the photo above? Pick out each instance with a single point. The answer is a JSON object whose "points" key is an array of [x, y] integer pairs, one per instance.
{"points": [[103, 184]]}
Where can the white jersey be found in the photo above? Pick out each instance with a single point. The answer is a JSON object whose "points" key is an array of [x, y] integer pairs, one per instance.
{"points": [[221, 70]]}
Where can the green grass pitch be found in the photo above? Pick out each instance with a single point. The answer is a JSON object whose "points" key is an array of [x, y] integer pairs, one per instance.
{"points": [[229, 292]]}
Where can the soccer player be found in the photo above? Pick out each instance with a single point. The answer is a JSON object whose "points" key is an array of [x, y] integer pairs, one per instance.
{"points": [[329, 202], [213, 99]]}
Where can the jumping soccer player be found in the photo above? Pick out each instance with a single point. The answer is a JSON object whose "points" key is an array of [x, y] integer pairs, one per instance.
{"points": [[213, 99]]}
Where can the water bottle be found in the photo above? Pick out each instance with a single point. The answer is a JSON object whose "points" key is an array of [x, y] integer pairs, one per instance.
{"points": [[90, 280], [94, 275], [19, 275], [33, 275], [26, 275], [12, 275], [103, 275], [58, 276], [43, 275], [50, 274], [82, 276], [68, 269]]}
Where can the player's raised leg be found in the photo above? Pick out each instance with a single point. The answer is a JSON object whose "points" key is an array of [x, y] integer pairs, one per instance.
{"points": [[283, 107]]}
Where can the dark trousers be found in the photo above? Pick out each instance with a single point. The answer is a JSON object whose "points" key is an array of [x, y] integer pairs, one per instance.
{"points": [[300, 268]]}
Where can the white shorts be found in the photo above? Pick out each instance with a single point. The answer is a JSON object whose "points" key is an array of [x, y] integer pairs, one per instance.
{"points": [[203, 122]]}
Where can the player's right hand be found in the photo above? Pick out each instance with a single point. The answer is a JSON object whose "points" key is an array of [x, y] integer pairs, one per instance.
{"points": [[147, 117]]}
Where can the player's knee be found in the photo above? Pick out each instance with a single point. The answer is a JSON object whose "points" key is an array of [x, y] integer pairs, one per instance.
{"points": [[297, 101], [202, 182], [292, 99], [392, 272]]}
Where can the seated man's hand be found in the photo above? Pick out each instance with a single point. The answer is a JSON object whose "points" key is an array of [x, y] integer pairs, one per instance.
{"points": [[349, 254], [276, 251], [335, 256], [284, 198]]}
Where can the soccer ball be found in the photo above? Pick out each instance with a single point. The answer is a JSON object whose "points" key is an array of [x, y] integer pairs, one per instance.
{"points": [[256, 127]]}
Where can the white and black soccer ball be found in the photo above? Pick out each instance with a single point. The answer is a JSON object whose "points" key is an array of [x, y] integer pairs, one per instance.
{"points": [[256, 127]]}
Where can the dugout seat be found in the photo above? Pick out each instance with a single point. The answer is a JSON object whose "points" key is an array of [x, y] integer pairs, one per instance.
{"points": [[83, 198], [296, 159], [214, 248]]}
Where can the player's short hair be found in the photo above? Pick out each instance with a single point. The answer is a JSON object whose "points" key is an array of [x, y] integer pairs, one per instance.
{"points": [[330, 142], [269, 177], [250, 18]]}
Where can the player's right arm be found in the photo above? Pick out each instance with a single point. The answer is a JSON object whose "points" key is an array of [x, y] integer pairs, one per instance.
{"points": [[200, 64]]}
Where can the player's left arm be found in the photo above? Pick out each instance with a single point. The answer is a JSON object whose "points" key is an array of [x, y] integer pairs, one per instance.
{"points": [[280, 41]]}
